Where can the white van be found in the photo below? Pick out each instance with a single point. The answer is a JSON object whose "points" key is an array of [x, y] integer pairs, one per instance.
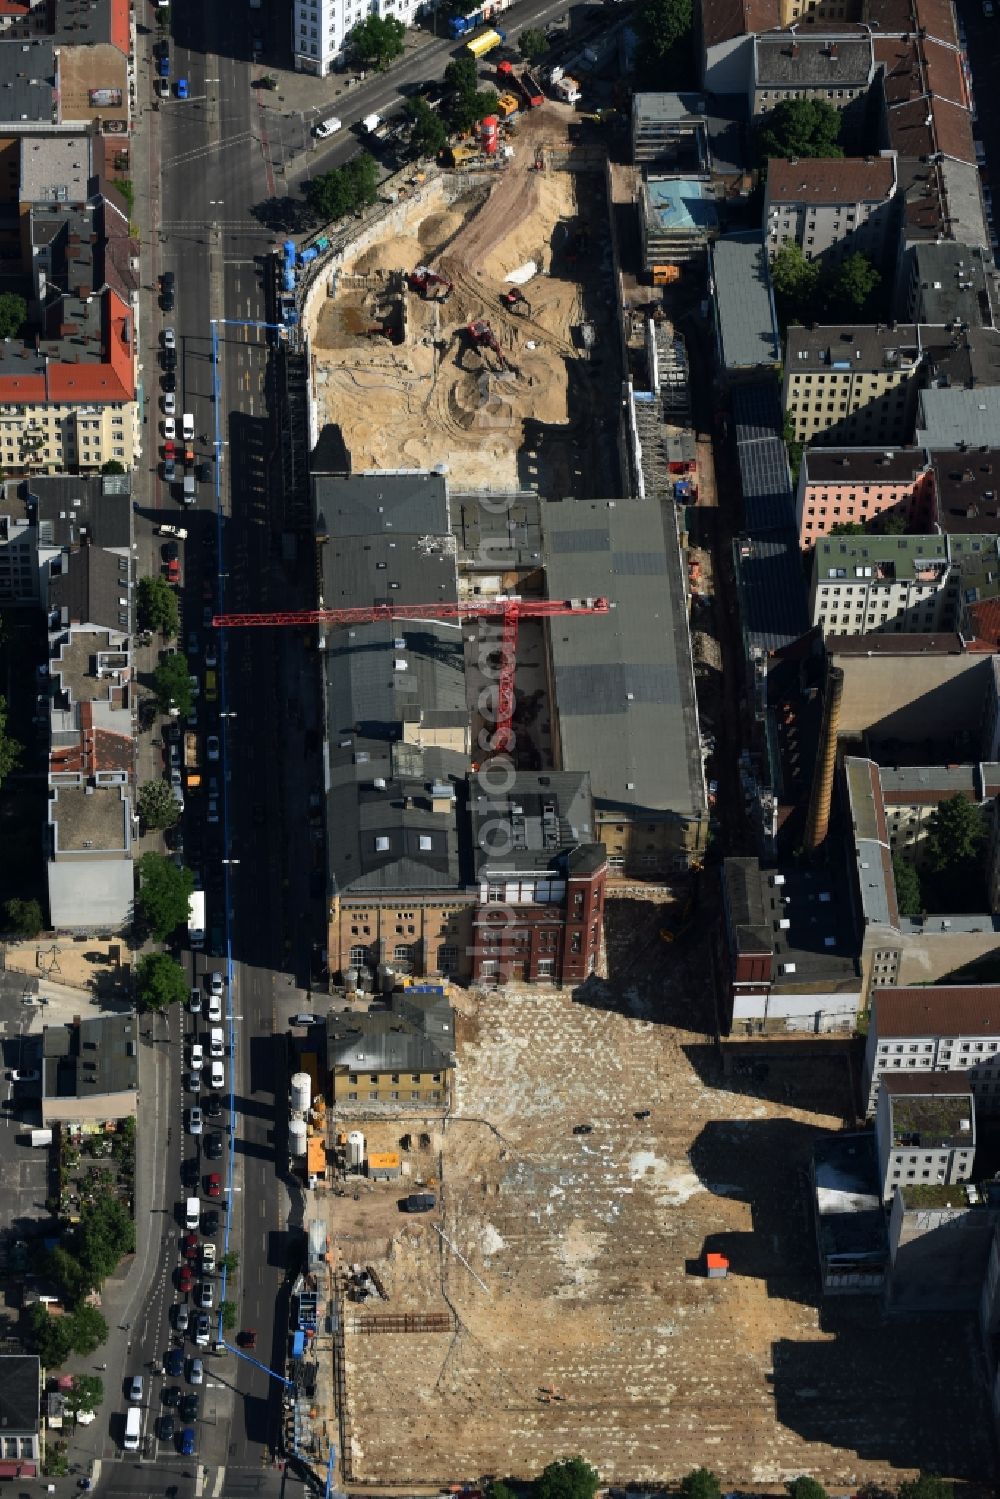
{"points": [[133, 1429], [187, 426], [218, 1075], [216, 1042], [192, 1213]]}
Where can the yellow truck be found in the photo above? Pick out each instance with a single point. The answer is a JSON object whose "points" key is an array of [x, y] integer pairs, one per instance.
{"points": [[485, 42]]}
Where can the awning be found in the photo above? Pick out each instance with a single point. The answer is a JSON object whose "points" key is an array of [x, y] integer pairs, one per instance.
{"points": [[17, 1470]]}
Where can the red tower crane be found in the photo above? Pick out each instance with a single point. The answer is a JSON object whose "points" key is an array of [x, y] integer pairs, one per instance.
{"points": [[510, 610]]}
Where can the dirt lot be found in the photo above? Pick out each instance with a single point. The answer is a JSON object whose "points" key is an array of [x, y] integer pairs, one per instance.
{"points": [[589, 1248], [441, 400]]}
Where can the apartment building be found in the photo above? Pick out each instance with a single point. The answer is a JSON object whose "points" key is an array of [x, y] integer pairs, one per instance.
{"points": [[854, 486], [935, 1029], [864, 584], [831, 207], [910, 794], [948, 283], [320, 28], [966, 490], [925, 1130], [399, 1057], [852, 387], [838, 70]]}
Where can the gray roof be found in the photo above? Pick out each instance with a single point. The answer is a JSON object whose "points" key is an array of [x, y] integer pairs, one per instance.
{"points": [[28, 83], [819, 941], [663, 109], [384, 680], [794, 62], [863, 465], [542, 821], [55, 169], [771, 589], [964, 201], [20, 1389], [953, 283], [69, 508], [765, 481], [496, 531], [747, 324], [967, 490], [94, 588], [872, 856], [860, 348], [91, 1058], [948, 418], [385, 1041], [624, 682]]}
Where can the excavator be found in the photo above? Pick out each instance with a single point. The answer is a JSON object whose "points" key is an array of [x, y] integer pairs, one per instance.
{"points": [[515, 301], [483, 337], [423, 280]]}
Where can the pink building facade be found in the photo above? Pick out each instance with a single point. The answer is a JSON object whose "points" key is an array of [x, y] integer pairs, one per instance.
{"points": [[854, 486]]}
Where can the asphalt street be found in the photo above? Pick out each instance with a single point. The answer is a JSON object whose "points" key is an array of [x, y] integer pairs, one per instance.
{"points": [[203, 165]]}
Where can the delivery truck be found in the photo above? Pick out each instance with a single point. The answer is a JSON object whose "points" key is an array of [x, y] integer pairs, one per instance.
{"points": [[196, 919], [192, 768]]}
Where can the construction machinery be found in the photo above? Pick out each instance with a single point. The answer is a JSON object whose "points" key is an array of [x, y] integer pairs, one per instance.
{"points": [[424, 280], [515, 301], [510, 609], [483, 337], [508, 106]]}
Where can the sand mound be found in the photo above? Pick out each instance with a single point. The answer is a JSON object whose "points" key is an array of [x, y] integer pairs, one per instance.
{"points": [[438, 229]]}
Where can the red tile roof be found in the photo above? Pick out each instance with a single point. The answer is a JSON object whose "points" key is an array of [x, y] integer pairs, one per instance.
{"points": [[119, 25], [938, 1010], [111, 380], [985, 620], [721, 20], [850, 179]]}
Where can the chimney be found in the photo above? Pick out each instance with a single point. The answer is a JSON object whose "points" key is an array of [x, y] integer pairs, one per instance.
{"points": [[795, 49], [442, 798], [818, 820]]}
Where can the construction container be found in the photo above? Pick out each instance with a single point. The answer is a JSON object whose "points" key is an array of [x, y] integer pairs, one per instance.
{"points": [[300, 1092], [355, 1150], [297, 1138], [664, 275], [384, 1165], [489, 129], [508, 105], [716, 1266]]}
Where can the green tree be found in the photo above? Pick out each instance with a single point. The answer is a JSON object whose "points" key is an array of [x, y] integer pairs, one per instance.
{"points": [[112, 467], [532, 44], [927, 1486], [851, 288], [230, 1262], [806, 1488], [795, 280], [13, 314], [461, 76], [377, 41], [346, 188], [800, 127], [52, 1337], [429, 133], [847, 528], [24, 917], [570, 1478], [72, 1281], [156, 606], [89, 1330], [161, 981], [85, 1394], [103, 1236], [663, 25], [955, 835], [908, 896], [164, 892], [10, 749], [794, 446], [467, 103], [700, 1483], [228, 1310], [173, 690], [497, 1489], [157, 805]]}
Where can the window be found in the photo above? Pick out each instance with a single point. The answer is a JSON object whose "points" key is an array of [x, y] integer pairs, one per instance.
{"points": [[352, 1077], [414, 1077], [359, 955], [402, 952]]}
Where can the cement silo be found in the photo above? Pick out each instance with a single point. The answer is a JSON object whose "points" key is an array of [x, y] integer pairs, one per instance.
{"points": [[301, 1092]]}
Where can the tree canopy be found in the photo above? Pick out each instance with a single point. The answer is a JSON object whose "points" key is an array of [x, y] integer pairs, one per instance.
{"points": [[10, 749], [806, 1488], [800, 127], [24, 917], [112, 466], [926, 1486], [164, 891], [663, 26], [377, 40], [173, 689], [700, 1483], [157, 804], [55, 1338], [429, 133], [908, 896], [569, 1478], [851, 288], [344, 189], [13, 314], [86, 1393], [162, 982], [156, 606], [795, 281], [467, 103], [532, 43], [955, 835]]}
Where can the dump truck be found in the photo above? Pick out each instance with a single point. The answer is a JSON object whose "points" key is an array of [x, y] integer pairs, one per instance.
{"points": [[192, 769], [530, 88], [479, 45]]}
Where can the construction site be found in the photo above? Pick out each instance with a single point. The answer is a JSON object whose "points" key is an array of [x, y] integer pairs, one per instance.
{"points": [[481, 327], [555, 1300]]}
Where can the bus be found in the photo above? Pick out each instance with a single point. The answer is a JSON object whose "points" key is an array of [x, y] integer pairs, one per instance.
{"points": [[485, 42]]}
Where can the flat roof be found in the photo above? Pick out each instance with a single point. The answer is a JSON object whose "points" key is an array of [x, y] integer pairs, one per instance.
{"points": [[88, 819], [947, 418], [91, 1057], [863, 465], [803, 921], [872, 855], [838, 349], [953, 283], [680, 204], [850, 1220], [496, 531], [55, 169], [667, 108], [898, 645], [70, 509], [624, 682], [872, 558], [967, 489], [748, 327], [534, 825], [936, 1113], [772, 590]]}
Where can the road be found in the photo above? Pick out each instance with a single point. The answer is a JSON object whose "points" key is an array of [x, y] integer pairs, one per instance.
{"points": [[209, 161]]}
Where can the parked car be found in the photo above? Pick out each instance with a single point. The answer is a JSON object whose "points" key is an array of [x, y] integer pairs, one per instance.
{"points": [[194, 1001], [185, 1278], [217, 983], [167, 291], [206, 1294], [170, 1394], [213, 809], [135, 1389], [189, 1406], [174, 1363], [212, 1106], [25, 1075], [187, 1441], [168, 530], [169, 471], [202, 1330], [181, 1317], [196, 1371], [203, 473], [166, 1428], [168, 380], [210, 1222], [323, 128], [169, 338], [182, 88], [169, 428], [192, 1082], [194, 1121], [213, 1147]]}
